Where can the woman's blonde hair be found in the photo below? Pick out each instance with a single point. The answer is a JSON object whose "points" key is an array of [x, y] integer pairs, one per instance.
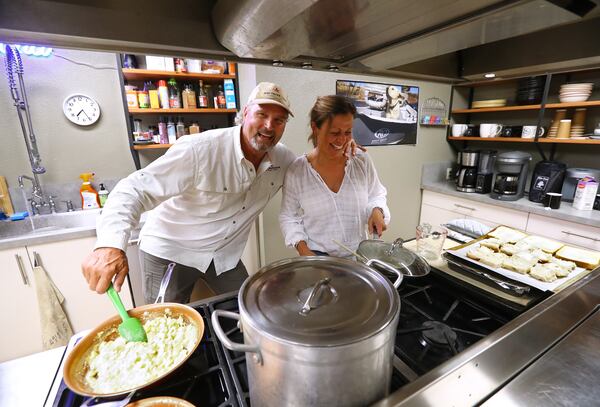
{"points": [[325, 108]]}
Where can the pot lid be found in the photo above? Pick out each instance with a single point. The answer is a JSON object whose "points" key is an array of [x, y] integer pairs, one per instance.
{"points": [[318, 301], [407, 262]]}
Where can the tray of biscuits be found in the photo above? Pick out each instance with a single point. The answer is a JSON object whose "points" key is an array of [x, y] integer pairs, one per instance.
{"points": [[537, 261]]}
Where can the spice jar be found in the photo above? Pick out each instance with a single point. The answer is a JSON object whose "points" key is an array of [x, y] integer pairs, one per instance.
{"points": [[143, 98], [131, 96]]}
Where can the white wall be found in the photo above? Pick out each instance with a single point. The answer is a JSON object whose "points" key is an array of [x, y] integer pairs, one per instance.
{"points": [[399, 167], [67, 149]]}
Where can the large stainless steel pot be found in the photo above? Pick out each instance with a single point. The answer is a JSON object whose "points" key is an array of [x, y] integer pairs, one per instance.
{"points": [[318, 331]]}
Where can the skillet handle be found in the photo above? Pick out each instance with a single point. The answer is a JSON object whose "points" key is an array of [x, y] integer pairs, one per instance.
{"points": [[234, 346], [389, 268]]}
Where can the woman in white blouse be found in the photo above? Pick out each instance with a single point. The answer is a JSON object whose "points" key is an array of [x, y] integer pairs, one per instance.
{"points": [[327, 195]]}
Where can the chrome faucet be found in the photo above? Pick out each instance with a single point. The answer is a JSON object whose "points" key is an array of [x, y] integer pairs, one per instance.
{"points": [[38, 200]]}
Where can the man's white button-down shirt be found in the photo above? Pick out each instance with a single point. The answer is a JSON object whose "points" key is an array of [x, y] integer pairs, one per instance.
{"points": [[203, 196]]}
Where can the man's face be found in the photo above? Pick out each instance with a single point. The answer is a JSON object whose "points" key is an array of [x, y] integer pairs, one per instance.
{"points": [[263, 126]]}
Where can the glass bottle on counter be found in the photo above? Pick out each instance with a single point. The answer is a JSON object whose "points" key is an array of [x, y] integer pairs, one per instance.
{"points": [[202, 98], [180, 127], [174, 95], [189, 97], [221, 103]]}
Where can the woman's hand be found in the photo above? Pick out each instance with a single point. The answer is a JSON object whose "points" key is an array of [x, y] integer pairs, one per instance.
{"points": [[376, 222], [303, 249]]}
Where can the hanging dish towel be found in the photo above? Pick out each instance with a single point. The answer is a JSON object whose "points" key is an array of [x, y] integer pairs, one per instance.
{"points": [[56, 329]]}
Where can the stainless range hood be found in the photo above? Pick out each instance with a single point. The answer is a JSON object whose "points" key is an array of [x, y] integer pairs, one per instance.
{"points": [[379, 36], [459, 38]]}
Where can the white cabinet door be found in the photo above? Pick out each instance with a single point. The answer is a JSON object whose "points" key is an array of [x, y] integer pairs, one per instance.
{"points": [[567, 232], [437, 216], [487, 214], [19, 319], [62, 260]]}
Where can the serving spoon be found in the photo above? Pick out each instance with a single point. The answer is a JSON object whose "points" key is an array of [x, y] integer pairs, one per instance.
{"points": [[131, 328]]}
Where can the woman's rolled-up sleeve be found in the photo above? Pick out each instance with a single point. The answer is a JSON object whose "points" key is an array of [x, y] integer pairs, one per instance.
{"points": [[377, 192], [290, 217]]}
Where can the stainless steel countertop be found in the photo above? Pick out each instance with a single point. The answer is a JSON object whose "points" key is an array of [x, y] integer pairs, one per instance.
{"points": [[485, 368], [566, 211]]}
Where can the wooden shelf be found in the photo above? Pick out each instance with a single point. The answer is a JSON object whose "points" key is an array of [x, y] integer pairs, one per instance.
{"points": [[178, 111], [141, 74], [526, 140], [151, 146], [589, 103]]}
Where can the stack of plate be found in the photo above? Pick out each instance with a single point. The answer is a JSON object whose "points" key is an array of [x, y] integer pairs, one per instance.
{"points": [[530, 90], [489, 103], [575, 92]]}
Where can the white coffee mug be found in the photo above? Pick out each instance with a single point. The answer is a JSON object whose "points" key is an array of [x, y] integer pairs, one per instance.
{"points": [[458, 130], [490, 130], [529, 132]]}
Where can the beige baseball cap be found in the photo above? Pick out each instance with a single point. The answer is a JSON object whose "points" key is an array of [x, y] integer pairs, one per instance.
{"points": [[269, 93]]}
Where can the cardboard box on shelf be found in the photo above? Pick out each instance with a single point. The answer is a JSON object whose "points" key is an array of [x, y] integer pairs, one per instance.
{"points": [[169, 64], [155, 63], [229, 93], [194, 65], [585, 193]]}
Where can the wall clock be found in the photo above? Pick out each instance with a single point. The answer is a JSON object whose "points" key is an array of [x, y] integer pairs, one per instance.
{"points": [[81, 109]]}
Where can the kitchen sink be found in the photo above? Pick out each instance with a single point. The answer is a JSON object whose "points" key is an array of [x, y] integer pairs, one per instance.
{"points": [[47, 224]]}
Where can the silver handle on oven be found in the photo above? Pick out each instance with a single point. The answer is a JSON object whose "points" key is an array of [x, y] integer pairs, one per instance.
{"points": [[582, 236], [464, 207], [22, 269]]}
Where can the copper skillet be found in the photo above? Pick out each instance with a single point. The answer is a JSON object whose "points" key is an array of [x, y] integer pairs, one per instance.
{"points": [[76, 367]]}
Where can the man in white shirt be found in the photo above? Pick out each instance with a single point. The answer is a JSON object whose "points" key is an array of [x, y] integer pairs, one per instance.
{"points": [[204, 193]]}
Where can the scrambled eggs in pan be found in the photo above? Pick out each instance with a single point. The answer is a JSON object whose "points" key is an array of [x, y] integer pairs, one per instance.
{"points": [[120, 365]]}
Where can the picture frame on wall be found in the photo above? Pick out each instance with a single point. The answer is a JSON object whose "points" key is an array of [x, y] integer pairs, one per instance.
{"points": [[386, 114]]}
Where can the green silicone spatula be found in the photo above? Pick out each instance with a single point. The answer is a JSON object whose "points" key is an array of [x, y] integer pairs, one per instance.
{"points": [[131, 328]]}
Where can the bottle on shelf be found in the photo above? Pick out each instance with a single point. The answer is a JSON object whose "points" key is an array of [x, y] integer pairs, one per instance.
{"points": [[143, 98], [152, 95], [162, 131], [163, 94], [180, 127], [209, 95], [131, 96], [189, 97], [89, 196], [174, 95], [194, 128], [171, 131], [154, 134], [202, 97], [221, 103]]}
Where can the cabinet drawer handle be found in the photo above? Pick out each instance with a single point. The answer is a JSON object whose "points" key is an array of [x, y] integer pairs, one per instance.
{"points": [[464, 207], [582, 236], [22, 269]]}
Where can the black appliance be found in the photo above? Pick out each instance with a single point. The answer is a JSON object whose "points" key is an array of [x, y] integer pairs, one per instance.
{"points": [[440, 317], [485, 171], [511, 175], [466, 178], [548, 176]]}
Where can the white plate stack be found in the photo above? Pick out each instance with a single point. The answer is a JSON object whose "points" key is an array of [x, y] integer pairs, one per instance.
{"points": [[575, 92]]}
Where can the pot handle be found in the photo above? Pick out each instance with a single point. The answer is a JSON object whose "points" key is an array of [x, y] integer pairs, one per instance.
{"points": [[234, 346], [389, 268]]}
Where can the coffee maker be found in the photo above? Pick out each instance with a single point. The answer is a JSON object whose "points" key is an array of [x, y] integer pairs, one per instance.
{"points": [[485, 171], [511, 175], [466, 178]]}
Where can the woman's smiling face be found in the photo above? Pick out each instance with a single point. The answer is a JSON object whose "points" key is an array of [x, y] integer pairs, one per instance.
{"points": [[334, 135]]}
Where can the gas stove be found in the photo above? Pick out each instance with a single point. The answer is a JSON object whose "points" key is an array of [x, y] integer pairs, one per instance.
{"points": [[439, 318]]}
